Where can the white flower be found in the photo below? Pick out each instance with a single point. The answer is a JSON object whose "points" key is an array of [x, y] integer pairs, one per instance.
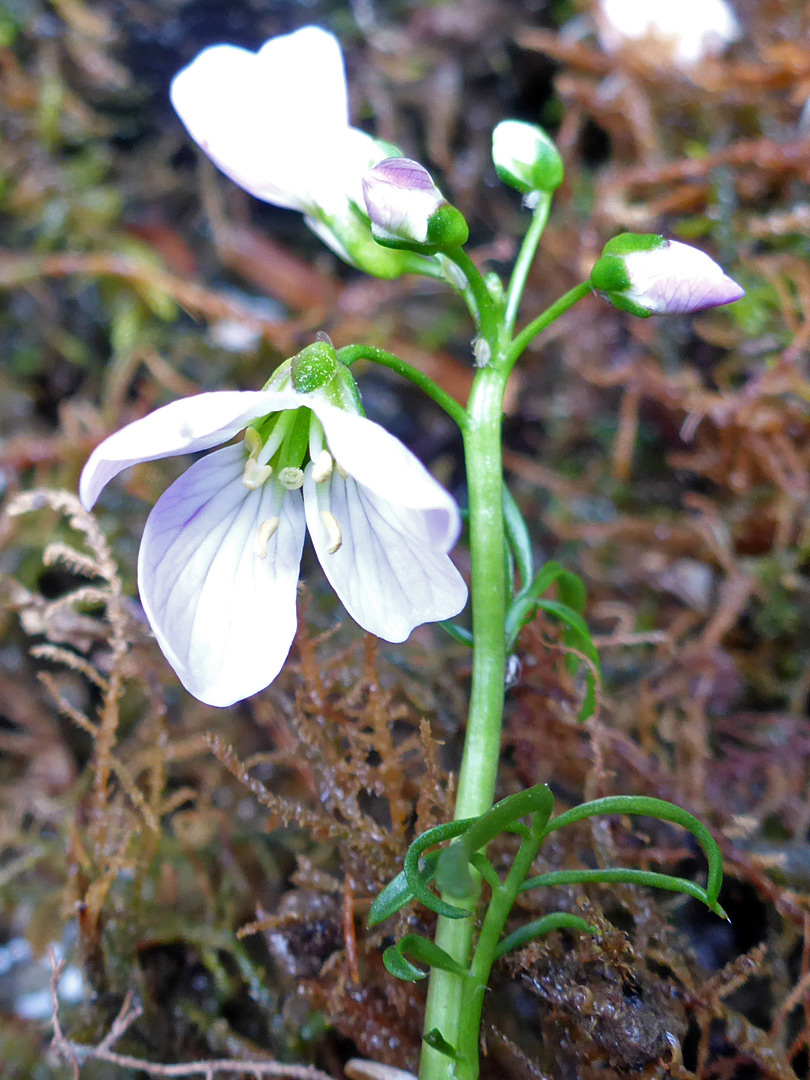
{"points": [[649, 275], [220, 556], [688, 30], [277, 123]]}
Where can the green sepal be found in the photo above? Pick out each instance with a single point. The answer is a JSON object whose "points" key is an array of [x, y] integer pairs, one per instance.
{"points": [[610, 275], [314, 367], [447, 229], [558, 920], [423, 950], [628, 243]]}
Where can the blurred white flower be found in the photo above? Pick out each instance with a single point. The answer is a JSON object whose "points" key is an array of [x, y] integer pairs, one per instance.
{"points": [[220, 557], [687, 30]]}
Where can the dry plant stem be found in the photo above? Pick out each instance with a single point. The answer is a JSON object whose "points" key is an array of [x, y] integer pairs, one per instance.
{"points": [[75, 1053]]}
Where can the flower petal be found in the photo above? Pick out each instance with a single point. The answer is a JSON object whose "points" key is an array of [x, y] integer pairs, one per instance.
{"points": [[379, 462], [677, 278], [182, 427], [276, 121], [224, 617], [389, 572]]}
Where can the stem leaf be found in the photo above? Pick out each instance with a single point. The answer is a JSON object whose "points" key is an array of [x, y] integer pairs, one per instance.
{"points": [[415, 875], [426, 952], [625, 876], [558, 920], [656, 808], [436, 1041]]}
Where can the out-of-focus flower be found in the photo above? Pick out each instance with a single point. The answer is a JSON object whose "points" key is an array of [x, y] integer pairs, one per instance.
{"points": [[649, 275], [220, 556], [277, 123], [525, 158], [686, 30], [407, 209]]}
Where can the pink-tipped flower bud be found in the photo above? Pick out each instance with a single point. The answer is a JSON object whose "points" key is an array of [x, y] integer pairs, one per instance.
{"points": [[650, 275], [406, 208]]}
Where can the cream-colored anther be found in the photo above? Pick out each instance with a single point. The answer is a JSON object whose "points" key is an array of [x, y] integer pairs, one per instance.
{"points": [[255, 474], [291, 478], [264, 534], [322, 467], [332, 531], [341, 471], [253, 442]]}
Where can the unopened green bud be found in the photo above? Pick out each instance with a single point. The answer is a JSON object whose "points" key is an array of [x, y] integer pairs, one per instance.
{"points": [[314, 367]]}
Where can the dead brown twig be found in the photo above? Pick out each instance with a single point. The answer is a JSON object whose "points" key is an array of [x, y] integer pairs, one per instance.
{"points": [[75, 1053]]}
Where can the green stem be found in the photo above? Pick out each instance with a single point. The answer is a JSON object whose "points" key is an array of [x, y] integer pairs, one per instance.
{"points": [[351, 353], [483, 310], [524, 260], [528, 333], [476, 787], [501, 902]]}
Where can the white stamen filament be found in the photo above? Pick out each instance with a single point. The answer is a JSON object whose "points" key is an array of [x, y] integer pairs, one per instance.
{"points": [[322, 467], [333, 531], [291, 478], [264, 534]]}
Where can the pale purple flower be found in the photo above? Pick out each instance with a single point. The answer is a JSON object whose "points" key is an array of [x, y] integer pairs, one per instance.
{"points": [[650, 275], [220, 556]]}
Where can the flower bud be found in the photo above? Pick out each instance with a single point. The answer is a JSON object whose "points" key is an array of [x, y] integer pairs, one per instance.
{"points": [[314, 367], [317, 370], [408, 210], [649, 275], [525, 158]]}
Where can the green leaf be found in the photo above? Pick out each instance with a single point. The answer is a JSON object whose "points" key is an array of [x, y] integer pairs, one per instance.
{"points": [[452, 873], [558, 920], [398, 893], [411, 869], [656, 808], [426, 952], [625, 876], [457, 633], [577, 636], [534, 800], [436, 1041], [517, 535]]}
